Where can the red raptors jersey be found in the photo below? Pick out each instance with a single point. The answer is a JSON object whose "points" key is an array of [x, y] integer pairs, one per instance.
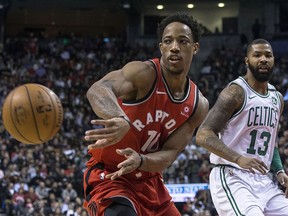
{"points": [[153, 119]]}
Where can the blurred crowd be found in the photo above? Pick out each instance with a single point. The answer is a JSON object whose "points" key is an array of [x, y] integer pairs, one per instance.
{"points": [[46, 179]]}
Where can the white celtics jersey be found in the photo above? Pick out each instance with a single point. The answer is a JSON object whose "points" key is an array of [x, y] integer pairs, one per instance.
{"points": [[252, 131]]}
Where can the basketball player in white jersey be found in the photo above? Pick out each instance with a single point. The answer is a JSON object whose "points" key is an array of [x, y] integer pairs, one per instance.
{"points": [[241, 132]]}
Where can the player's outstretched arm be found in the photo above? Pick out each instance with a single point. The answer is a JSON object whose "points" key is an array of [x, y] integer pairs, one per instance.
{"points": [[134, 80]]}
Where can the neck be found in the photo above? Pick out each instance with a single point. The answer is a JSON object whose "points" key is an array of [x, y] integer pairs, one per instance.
{"points": [[176, 83], [260, 87]]}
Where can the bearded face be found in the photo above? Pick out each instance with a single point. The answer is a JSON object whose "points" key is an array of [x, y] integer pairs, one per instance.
{"points": [[260, 62], [261, 73]]}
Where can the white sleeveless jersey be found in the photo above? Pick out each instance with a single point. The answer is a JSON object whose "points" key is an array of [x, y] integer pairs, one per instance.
{"points": [[252, 131]]}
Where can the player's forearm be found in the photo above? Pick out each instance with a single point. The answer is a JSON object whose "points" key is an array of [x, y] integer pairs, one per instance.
{"points": [[103, 101], [212, 143], [276, 164], [160, 160], [176, 143], [157, 161]]}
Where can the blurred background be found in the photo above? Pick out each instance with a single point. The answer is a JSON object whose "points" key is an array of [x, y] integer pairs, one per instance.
{"points": [[67, 45]]}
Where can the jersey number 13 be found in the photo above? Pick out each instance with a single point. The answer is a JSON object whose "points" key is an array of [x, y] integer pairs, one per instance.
{"points": [[265, 136]]}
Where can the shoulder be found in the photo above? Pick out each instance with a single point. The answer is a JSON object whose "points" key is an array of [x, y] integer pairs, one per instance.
{"points": [[139, 66], [201, 111], [138, 63], [144, 71], [231, 98], [233, 90], [203, 105], [281, 100], [279, 95]]}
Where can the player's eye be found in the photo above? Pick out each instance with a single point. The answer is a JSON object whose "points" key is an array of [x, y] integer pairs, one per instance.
{"points": [[167, 41]]}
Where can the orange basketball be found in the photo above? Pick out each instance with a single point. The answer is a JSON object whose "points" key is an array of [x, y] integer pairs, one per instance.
{"points": [[32, 113]]}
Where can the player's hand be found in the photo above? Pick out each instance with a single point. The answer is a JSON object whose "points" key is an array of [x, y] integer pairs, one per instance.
{"points": [[132, 162], [283, 180], [252, 164], [112, 132]]}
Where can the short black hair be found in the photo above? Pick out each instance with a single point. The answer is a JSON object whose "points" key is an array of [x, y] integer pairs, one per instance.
{"points": [[184, 18], [257, 41]]}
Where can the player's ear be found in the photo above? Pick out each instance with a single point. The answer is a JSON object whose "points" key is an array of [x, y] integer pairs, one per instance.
{"points": [[161, 48], [246, 60], [196, 47]]}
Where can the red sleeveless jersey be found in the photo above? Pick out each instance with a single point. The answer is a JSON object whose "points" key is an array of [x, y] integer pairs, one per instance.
{"points": [[153, 119]]}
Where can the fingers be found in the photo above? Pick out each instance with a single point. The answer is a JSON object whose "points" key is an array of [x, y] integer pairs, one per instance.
{"points": [[284, 183], [107, 128], [101, 122], [261, 167], [132, 158], [111, 131], [114, 175], [108, 122], [98, 144], [127, 166], [99, 134], [88, 137], [101, 131], [127, 151], [124, 170], [251, 170], [253, 164], [127, 163]]}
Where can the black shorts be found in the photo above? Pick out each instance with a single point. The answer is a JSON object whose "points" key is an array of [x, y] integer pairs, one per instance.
{"points": [[120, 207]]}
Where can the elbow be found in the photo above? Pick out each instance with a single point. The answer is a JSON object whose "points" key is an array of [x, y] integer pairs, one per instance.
{"points": [[199, 139], [206, 138], [89, 94], [164, 165]]}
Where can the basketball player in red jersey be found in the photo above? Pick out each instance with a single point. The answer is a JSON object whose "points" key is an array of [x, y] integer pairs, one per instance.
{"points": [[149, 112]]}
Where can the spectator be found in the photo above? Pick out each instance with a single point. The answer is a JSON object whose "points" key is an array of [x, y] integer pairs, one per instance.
{"points": [[41, 190], [69, 192], [19, 202], [187, 207], [31, 195]]}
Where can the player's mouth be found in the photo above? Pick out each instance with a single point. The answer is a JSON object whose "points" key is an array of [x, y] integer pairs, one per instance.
{"points": [[174, 59], [263, 68]]}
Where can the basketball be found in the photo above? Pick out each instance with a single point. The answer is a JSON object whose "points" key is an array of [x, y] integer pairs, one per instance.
{"points": [[32, 113]]}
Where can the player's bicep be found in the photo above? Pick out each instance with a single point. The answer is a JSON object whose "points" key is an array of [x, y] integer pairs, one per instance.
{"points": [[124, 82], [228, 103], [118, 83]]}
